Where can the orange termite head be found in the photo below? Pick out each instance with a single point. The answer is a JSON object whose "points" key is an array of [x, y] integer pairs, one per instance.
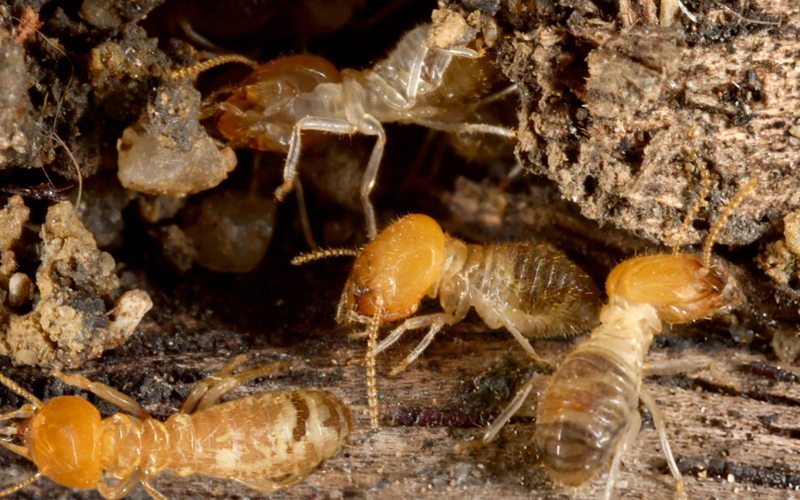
{"points": [[260, 114], [395, 270], [680, 287], [63, 440]]}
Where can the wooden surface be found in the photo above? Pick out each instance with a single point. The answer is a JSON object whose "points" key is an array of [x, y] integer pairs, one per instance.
{"points": [[738, 420], [734, 428]]}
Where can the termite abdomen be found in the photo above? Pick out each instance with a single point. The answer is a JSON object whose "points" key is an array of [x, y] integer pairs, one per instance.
{"points": [[535, 284], [300, 428], [587, 406]]}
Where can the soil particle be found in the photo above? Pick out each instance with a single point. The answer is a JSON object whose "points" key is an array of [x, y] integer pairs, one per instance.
{"points": [[158, 208], [177, 249], [70, 321], [780, 260], [18, 132], [123, 72], [102, 203], [105, 14], [230, 230], [167, 152], [12, 221]]}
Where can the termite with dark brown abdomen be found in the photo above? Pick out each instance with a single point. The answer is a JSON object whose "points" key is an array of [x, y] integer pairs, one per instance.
{"points": [[531, 289], [588, 416], [268, 441], [299, 96]]}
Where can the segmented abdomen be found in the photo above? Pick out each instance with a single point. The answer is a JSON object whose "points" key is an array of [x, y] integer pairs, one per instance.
{"points": [[535, 286], [584, 412], [264, 436]]}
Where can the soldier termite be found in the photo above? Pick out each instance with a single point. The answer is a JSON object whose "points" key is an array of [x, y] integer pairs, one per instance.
{"points": [[531, 289], [588, 414], [268, 441], [419, 83]]}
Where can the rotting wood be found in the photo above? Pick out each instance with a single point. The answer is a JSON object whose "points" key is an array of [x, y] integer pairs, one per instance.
{"points": [[614, 106]]}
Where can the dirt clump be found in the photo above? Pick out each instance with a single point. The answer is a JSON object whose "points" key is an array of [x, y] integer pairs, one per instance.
{"points": [[615, 104], [167, 152], [77, 311]]}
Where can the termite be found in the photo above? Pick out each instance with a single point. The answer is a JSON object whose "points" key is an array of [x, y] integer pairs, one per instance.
{"points": [[588, 414], [531, 289], [418, 83], [268, 441]]}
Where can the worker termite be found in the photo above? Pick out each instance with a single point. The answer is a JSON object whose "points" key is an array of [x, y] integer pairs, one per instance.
{"points": [[588, 414], [419, 82], [268, 441], [531, 289]]}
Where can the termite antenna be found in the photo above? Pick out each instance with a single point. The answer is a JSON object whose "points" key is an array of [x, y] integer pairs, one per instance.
{"points": [[213, 63], [723, 218], [19, 391], [305, 258], [372, 343], [699, 202], [17, 487]]}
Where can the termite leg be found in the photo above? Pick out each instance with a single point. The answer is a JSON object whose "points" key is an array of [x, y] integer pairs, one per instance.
{"points": [[120, 489], [104, 392], [15, 448], [412, 324], [519, 337], [658, 423], [415, 74], [677, 366], [462, 52], [413, 355], [267, 486], [687, 365], [220, 387], [321, 124], [468, 128], [215, 102], [500, 94], [154, 493], [203, 386], [513, 407], [13, 489], [19, 391], [371, 126], [196, 38], [435, 67], [627, 439]]}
